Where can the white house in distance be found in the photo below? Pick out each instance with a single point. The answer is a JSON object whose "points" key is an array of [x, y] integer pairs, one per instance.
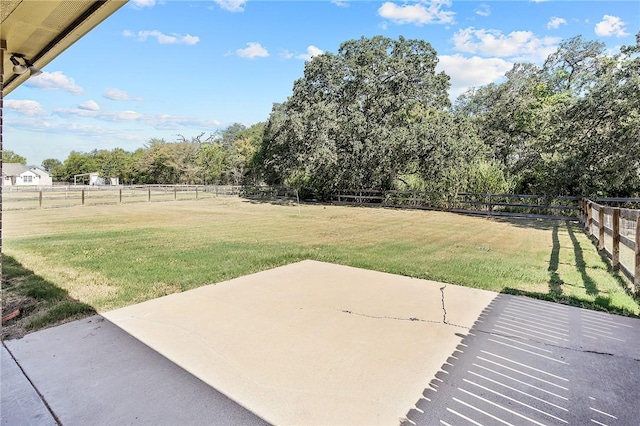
{"points": [[14, 174], [95, 179]]}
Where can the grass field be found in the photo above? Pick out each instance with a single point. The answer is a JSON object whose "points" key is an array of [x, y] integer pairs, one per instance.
{"points": [[70, 262]]}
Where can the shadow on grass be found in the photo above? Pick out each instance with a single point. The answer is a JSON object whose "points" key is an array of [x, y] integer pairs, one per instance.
{"points": [[276, 201], [602, 304], [555, 283], [589, 284], [40, 303], [528, 223]]}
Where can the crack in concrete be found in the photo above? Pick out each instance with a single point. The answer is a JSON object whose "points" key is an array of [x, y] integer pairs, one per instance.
{"points": [[444, 315], [345, 311], [387, 317], [444, 310]]}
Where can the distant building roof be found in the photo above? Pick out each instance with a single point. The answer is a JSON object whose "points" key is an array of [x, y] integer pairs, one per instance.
{"points": [[13, 169], [39, 171]]}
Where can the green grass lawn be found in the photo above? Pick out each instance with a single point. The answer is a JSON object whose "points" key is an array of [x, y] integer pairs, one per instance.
{"points": [[105, 257]]}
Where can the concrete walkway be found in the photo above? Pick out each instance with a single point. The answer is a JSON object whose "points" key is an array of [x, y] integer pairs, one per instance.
{"points": [[308, 343], [90, 372]]}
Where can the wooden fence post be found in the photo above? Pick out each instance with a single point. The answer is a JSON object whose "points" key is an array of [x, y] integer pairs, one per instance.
{"points": [[83, 197], [196, 192], [601, 215], [636, 276], [149, 194], [615, 251], [40, 199], [175, 193], [120, 196]]}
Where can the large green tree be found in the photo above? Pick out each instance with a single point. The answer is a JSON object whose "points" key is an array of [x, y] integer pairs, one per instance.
{"points": [[9, 156], [50, 164], [601, 127], [569, 127], [78, 163], [353, 119]]}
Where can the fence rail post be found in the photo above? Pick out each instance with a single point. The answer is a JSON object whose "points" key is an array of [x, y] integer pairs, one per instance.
{"points": [[615, 251], [149, 194], [120, 196], [196, 192], [175, 193], [601, 215], [40, 199], [636, 276], [589, 218], [83, 197]]}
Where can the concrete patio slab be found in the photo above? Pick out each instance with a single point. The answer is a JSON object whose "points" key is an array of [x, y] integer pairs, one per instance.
{"points": [[312, 342]]}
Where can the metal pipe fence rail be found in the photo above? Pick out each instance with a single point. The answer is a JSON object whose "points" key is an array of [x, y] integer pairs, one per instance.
{"points": [[25, 198], [616, 231]]}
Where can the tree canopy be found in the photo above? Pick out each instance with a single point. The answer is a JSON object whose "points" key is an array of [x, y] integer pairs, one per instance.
{"points": [[570, 127], [9, 156], [222, 158], [376, 115], [353, 117]]}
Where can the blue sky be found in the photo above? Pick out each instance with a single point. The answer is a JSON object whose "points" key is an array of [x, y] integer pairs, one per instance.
{"points": [[159, 69]]}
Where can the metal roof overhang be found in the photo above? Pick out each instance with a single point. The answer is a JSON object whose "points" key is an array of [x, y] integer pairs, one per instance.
{"points": [[41, 30]]}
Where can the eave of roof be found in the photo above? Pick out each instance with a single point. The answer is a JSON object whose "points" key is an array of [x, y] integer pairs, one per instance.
{"points": [[41, 30]]}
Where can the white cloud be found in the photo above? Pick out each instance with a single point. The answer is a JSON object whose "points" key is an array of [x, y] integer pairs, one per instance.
{"points": [[341, 3], [100, 115], [311, 52], [75, 112], [555, 22], [232, 5], [157, 121], [172, 122], [471, 72], [483, 10], [255, 50], [89, 106], [163, 38], [285, 54], [25, 107], [44, 126], [518, 45], [418, 13], [119, 95], [86, 130], [611, 26], [55, 80], [139, 4]]}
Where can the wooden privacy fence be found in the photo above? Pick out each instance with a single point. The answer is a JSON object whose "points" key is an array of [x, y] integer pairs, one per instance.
{"points": [[21, 198], [617, 233]]}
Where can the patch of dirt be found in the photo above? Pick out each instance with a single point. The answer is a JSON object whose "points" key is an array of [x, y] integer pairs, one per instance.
{"points": [[14, 327]]}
